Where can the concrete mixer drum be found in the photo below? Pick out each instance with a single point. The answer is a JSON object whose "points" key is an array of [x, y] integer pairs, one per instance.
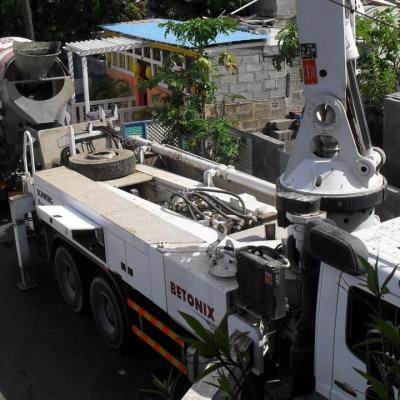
{"points": [[34, 90]]}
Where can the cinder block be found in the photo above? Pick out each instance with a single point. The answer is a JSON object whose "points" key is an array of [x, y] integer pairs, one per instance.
{"points": [[277, 93], [223, 89], [221, 70], [262, 116], [279, 112], [281, 83], [281, 124], [245, 107], [249, 77], [267, 168], [283, 135], [248, 95], [270, 84], [253, 59], [270, 50], [276, 74], [228, 79], [261, 106], [254, 67], [237, 88], [262, 95], [261, 76], [243, 52], [391, 139], [250, 126], [238, 58], [245, 116], [253, 87]]}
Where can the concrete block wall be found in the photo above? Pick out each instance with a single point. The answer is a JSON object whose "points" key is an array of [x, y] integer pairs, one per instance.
{"points": [[252, 115], [267, 159], [256, 79], [266, 93], [391, 138], [390, 208]]}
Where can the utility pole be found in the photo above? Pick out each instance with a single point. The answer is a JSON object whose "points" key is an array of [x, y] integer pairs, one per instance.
{"points": [[26, 7]]}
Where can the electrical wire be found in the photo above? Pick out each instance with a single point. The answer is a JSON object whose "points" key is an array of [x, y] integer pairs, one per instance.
{"points": [[354, 10]]}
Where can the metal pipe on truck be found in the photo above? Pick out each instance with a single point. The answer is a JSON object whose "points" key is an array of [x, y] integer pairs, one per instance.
{"points": [[227, 173]]}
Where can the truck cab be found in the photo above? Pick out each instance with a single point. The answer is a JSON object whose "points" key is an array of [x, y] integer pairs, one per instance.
{"points": [[343, 319]]}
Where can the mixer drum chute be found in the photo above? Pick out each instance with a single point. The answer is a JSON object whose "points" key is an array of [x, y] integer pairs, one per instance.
{"points": [[34, 59]]}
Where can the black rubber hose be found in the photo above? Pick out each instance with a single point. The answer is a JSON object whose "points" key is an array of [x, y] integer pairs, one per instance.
{"points": [[115, 136], [190, 205], [216, 190], [222, 204], [273, 253], [210, 204], [187, 202]]}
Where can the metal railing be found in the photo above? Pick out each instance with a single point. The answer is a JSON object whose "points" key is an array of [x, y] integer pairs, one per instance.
{"points": [[126, 108], [28, 146]]}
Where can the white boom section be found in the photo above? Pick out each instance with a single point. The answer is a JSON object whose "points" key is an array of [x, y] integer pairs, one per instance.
{"points": [[322, 35], [332, 159]]}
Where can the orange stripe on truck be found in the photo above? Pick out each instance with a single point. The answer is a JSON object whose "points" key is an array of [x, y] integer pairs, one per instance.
{"points": [[158, 324], [155, 346]]}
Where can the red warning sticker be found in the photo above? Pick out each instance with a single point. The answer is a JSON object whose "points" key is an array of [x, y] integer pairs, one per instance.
{"points": [[310, 72]]}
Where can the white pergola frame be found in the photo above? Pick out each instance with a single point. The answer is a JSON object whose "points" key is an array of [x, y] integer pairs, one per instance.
{"points": [[92, 47]]}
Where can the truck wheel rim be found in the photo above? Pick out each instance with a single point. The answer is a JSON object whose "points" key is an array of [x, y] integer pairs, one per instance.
{"points": [[107, 314], [69, 281], [102, 155]]}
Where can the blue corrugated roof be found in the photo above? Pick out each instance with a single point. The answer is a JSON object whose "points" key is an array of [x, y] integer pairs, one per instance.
{"points": [[151, 31]]}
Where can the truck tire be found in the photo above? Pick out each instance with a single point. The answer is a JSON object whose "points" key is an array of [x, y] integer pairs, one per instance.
{"points": [[104, 165], [107, 313], [68, 279], [65, 155]]}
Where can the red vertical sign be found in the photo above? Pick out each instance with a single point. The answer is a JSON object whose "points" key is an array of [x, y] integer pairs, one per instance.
{"points": [[310, 72]]}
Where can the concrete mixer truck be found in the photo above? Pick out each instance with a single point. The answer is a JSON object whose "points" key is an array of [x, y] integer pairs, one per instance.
{"points": [[34, 90]]}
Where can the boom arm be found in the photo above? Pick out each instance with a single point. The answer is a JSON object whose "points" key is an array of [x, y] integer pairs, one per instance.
{"points": [[333, 166]]}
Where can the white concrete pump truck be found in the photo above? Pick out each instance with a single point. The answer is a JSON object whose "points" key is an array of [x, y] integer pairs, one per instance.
{"points": [[141, 244]]}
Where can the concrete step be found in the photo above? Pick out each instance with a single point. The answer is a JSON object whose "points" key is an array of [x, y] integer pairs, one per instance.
{"points": [[286, 134], [281, 124]]}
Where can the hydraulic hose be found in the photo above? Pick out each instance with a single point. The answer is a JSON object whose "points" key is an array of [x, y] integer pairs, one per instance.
{"points": [[221, 204], [210, 204], [189, 204], [216, 190]]}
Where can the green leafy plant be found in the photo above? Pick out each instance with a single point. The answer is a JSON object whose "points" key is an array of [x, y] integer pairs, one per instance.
{"points": [[226, 353], [379, 62], [199, 32], [164, 389], [191, 89], [67, 20], [385, 356], [379, 56], [288, 46], [107, 88], [184, 9]]}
